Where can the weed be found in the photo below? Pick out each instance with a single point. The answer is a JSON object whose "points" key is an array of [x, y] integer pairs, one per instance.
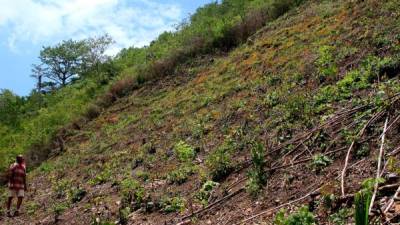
{"points": [[180, 175], [133, 194], [257, 175], [61, 188], [31, 208], [319, 162], [184, 152], [302, 216], [76, 194], [175, 204], [205, 192], [326, 63], [362, 201], [340, 217], [219, 164], [102, 177]]}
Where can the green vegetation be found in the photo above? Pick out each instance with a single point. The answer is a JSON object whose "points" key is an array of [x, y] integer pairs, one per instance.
{"points": [[206, 191], [319, 162], [302, 216], [257, 175]]}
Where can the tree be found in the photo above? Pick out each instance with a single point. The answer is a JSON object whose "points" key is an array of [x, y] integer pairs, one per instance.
{"points": [[70, 59], [63, 61], [10, 107]]}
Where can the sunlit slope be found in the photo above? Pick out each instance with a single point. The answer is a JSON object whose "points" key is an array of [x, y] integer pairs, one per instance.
{"points": [[145, 160]]}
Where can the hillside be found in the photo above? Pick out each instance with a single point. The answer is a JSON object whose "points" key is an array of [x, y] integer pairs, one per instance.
{"points": [[318, 83]]}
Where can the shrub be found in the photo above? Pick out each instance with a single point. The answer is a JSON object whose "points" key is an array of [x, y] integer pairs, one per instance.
{"points": [[175, 204], [326, 63], [340, 217], [205, 192], [133, 194], [61, 188], [92, 112], [219, 164], [180, 175], [184, 152], [76, 194], [257, 175], [122, 87], [302, 216], [319, 162]]}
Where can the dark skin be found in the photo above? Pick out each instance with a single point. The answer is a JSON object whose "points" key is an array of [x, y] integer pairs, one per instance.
{"points": [[20, 199]]}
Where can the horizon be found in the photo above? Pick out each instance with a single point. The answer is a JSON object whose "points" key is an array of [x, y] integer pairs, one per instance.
{"points": [[28, 25]]}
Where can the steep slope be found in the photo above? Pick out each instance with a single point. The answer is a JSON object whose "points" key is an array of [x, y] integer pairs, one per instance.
{"points": [[303, 87]]}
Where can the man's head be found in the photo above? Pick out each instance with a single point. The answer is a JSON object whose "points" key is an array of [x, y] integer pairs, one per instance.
{"points": [[20, 159]]}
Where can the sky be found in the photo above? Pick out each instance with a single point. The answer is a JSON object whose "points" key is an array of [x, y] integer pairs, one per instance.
{"points": [[28, 25]]}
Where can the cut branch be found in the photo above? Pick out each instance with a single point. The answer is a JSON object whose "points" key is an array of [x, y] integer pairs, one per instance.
{"points": [[378, 171]]}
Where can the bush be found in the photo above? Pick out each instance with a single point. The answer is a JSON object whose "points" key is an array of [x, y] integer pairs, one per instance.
{"points": [[184, 152], [175, 204], [122, 87], [133, 194], [92, 112], [205, 192], [302, 216], [257, 175], [219, 164], [319, 162], [180, 175]]}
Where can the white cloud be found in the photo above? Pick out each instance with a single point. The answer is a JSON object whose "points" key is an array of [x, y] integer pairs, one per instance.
{"points": [[129, 22]]}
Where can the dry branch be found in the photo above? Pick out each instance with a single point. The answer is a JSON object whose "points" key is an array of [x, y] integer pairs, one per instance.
{"points": [[378, 171]]}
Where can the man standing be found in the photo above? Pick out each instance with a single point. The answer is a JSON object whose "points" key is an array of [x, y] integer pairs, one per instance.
{"points": [[16, 184]]}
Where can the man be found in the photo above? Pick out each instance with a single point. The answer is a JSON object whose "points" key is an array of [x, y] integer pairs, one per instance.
{"points": [[16, 184]]}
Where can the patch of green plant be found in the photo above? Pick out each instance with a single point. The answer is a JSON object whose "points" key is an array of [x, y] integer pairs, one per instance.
{"points": [[76, 194], [133, 194], [181, 174], [46, 167], [59, 208], [184, 152], [302, 217], [175, 204], [143, 175], [219, 164], [102, 177], [272, 99], [62, 187], [124, 215], [257, 176], [319, 162], [340, 217], [327, 68], [205, 192], [362, 201], [31, 208]]}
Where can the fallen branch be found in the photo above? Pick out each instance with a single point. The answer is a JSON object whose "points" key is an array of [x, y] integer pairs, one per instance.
{"points": [[212, 204], [390, 204], [359, 135], [279, 207], [378, 171]]}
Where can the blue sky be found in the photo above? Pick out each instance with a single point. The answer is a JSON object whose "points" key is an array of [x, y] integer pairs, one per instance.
{"points": [[27, 25]]}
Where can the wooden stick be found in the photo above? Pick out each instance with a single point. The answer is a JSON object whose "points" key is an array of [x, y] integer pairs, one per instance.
{"points": [[346, 162], [279, 207], [395, 196], [378, 171]]}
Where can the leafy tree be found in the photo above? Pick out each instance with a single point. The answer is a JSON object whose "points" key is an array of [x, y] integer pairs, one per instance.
{"points": [[10, 106], [63, 61], [70, 59]]}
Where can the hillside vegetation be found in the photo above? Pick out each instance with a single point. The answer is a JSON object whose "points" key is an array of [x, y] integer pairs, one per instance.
{"points": [[228, 120]]}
